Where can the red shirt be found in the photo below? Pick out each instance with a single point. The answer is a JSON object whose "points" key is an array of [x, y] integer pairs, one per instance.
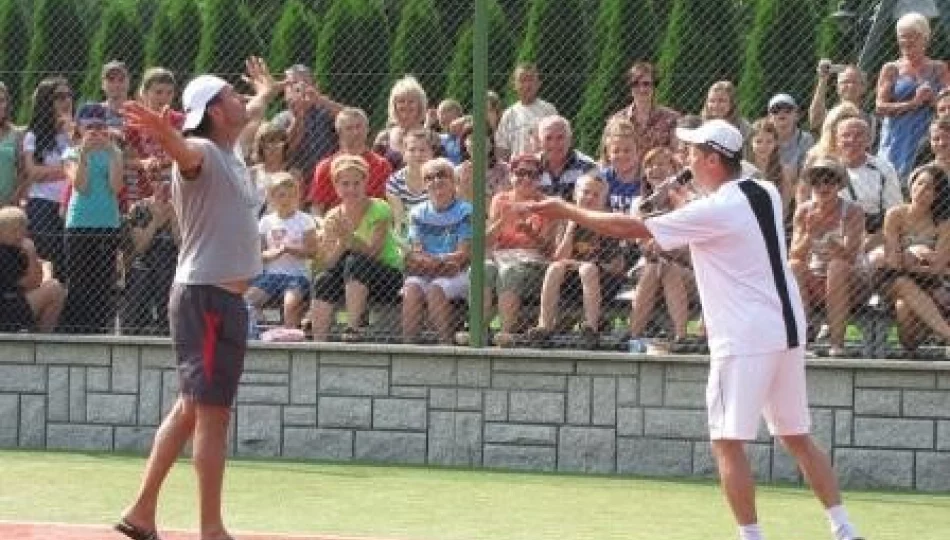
{"points": [[322, 192]]}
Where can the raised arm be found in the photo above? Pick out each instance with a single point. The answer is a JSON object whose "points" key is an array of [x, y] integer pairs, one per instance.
{"points": [[157, 124]]}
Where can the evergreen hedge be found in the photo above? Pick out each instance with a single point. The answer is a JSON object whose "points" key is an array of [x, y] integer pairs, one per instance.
{"points": [[295, 37], [420, 48], [501, 50], [626, 32], [781, 54], [173, 41], [14, 48], [701, 46], [228, 38], [557, 39], [352, 52], [58, 46], [119, 37]]}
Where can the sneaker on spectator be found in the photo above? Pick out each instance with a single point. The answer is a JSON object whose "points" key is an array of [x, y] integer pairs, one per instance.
{"points": [[504, 339], [589, 338], [823, 333]]}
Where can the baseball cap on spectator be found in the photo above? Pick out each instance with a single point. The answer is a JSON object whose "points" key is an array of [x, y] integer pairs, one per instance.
{"points": [[114, 66], [92, 113], [198, 93], [718, 135], [782, 100]]}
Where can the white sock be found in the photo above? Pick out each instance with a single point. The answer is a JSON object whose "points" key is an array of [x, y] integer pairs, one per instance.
{"points": [[841, 527], [750, 532]]}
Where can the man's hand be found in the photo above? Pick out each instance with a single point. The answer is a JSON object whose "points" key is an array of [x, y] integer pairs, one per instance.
{"points": [[552, 208], [259, 77], [140, 117]]}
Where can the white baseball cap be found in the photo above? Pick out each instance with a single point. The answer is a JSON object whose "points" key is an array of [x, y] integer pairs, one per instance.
{"points": [[717, 134], [196, 96], [782, 99]]}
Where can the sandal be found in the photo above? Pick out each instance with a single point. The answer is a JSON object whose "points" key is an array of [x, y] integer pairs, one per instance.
{"points": [[134, 532], [350, 334]]}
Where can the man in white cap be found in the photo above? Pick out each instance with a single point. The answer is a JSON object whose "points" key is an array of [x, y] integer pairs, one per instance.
{"points": [[753, 311], [220, 253], [793, 142]]}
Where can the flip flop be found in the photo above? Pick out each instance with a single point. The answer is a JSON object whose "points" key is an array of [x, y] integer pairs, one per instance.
{"points": [[133, 532]]}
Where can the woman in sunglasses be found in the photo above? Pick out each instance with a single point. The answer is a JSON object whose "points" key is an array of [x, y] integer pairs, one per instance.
{"points": [[827, 235], [653, 122]]}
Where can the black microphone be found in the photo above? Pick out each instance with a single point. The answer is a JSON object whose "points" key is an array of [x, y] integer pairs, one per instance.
{"points": [[660, 196]]}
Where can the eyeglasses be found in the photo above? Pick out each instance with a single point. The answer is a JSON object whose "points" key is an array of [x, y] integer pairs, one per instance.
{"points": [[436, 176], [62, 95], [526, 173], [274, 144]]}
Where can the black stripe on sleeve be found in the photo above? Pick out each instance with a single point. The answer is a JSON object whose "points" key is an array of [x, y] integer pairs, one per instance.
{"points": [[762, 208]]}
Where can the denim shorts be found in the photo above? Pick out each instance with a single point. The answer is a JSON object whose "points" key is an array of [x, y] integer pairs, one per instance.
{"points": [[278, 284]]}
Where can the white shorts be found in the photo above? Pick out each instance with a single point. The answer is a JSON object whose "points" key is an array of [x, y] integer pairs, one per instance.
{"points": [[454, 287], [743, 389]]}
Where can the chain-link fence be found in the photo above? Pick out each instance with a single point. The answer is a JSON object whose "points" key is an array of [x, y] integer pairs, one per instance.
{"points": [[585, 95]]}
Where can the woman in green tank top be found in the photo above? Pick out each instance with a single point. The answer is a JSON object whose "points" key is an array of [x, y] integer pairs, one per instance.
{"points": [[9, 151], [360, 252]]}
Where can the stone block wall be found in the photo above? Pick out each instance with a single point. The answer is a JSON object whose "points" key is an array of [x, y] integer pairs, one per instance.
{"points": [[887, 424]]}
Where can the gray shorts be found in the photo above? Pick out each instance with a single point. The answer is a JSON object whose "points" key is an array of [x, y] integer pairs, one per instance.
{"points": [[209, 332]]}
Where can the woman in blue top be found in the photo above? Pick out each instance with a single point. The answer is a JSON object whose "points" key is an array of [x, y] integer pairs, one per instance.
{"points": [[95, 170], [906, 90]]}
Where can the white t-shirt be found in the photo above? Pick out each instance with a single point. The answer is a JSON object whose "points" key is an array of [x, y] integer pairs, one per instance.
{"points": [[751, 302], [518, 124], [876, 186], [52, 190], [276, 231]]}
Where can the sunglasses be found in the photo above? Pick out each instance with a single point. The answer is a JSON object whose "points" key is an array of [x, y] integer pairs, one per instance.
{"points": [[824, 180], [782, 108], [642, 84], [436, 176], [526, 173]]}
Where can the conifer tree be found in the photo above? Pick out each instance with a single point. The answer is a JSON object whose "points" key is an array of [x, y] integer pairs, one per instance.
{"points": [[173, 41]]}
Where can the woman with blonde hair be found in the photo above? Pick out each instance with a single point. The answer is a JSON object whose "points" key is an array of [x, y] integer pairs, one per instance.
{"points": [[906, 91], [722, 102], [270, 154], [359, 250], [406, 111]]}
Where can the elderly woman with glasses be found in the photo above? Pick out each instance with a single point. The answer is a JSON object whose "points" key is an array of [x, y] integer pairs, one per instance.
{"points": [[906, 89], [440, 235], [520, 248], [828, 232]]}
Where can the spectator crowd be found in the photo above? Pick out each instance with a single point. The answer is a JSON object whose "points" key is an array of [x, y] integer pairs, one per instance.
{"points": [[350, 221]]}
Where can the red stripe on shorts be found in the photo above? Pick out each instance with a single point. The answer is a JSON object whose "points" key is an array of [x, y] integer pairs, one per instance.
{"points": [[209, 346]]}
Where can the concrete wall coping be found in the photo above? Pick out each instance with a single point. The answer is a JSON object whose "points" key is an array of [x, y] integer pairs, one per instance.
{"points": [[471, 352]]}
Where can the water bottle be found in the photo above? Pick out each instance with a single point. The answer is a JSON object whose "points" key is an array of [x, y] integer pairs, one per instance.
{"points": [[636, 346], [253, 332]]}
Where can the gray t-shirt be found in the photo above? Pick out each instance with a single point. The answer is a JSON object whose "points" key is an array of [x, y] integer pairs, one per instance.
{"points": [[219, 239]]}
